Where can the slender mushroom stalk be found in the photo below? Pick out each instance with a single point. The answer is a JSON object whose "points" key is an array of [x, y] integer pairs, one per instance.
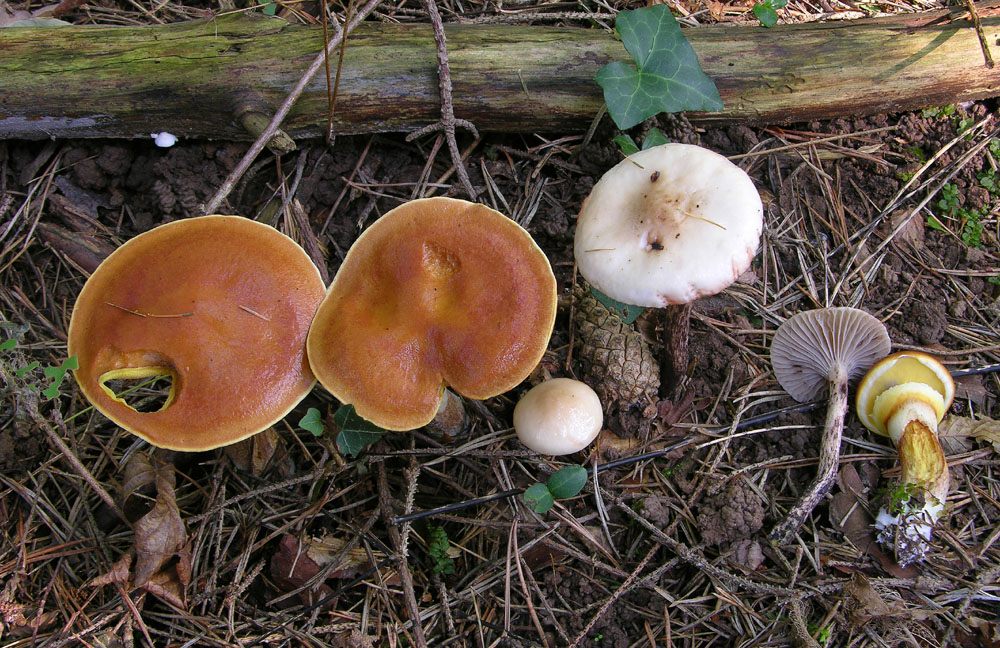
{"points": [[904, 397], [821, 348], [666, 226]]}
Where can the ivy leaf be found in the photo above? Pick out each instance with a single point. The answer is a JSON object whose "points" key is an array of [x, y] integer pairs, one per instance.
{"points": [[312, 422], [567, 482], [356, 433], [539, 498], [627, 312], [666, 77], [765, 14], [654, 138], [626, 144]]}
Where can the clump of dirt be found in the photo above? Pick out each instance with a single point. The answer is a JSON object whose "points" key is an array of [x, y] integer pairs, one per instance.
{"points": [[735, 512]]}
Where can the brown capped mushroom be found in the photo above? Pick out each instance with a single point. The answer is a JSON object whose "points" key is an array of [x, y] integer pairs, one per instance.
{"points": [[817, 349], [666, 226], [221, 305], [904, 397], [438, 292]]}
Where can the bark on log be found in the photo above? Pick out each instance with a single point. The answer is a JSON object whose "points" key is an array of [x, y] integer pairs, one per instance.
{"points": [[194, 79]]}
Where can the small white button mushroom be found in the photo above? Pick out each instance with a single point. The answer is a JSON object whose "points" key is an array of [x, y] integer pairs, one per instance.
{"points": [[557, 417], [164, 139]]}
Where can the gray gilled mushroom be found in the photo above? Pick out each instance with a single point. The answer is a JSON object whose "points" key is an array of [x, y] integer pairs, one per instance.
{"points": [[826, 347]]}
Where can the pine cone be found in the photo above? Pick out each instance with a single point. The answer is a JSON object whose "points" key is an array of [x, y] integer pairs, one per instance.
{"points": [[616, 359]]}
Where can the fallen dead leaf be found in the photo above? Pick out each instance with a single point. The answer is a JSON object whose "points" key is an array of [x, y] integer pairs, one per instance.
{"points": [[160, 534], [985, 429]]}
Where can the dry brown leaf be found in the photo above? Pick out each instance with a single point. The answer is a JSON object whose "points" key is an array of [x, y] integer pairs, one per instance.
{"points": [[862, 603], [985, 429], [166, 586], [138, 486], [117, 574], [160, 535]]}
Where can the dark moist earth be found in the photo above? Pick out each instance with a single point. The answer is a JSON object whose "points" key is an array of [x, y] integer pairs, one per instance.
{"points": [[935, 289]]}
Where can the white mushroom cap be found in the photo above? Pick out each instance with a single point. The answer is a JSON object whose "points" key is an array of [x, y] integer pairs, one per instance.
{"points": [[559, 416], [812, 347], [668, 225]]}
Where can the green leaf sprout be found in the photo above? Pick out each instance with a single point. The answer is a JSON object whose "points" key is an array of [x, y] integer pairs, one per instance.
{"points": [[312, 422]]}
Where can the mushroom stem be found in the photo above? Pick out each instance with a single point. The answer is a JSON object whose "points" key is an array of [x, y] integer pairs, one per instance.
{"points": [[451, 420], [676, 323], [829, 459], [922, 461]]}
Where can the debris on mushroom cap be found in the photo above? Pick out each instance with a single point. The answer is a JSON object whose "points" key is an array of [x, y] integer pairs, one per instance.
{"points": [[809, 347], [559, 416], [897, 369], [222, 305], [437, 292], [668, 225]]}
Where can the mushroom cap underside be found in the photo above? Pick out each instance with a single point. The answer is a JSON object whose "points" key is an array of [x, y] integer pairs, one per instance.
{"points": [[438, 292], [812, 347], [222, 305], [905, 367], [668, 225]]}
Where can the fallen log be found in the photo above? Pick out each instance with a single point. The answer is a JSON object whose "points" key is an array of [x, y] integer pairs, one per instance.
{"points": [[201, 78]]}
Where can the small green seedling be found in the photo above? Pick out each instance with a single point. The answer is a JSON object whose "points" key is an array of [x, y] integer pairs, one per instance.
{"points": [[564, 483], [628, 146], [666, 75], [767, 11], [438, 546], [312, 422], [355, 433], [53, 376], [57, 374]]}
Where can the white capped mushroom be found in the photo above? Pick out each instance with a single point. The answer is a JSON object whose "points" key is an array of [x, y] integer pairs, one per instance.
{"points": [[559, 416], [820, 348], [668, 225]]}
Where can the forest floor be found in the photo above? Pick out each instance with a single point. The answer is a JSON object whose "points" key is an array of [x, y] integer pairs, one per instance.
{"points": [[283, 541]]}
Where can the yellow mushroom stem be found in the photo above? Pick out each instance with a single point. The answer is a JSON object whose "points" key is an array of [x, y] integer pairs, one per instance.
{"points": [[911, 422]]}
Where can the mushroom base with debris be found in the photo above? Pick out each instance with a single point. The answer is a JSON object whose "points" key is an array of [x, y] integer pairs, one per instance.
{"points": [[907, 532]]}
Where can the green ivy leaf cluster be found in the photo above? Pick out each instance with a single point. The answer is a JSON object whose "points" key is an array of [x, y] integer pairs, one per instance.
{"points": [[564, 483], [666, 75], [355, 433]]}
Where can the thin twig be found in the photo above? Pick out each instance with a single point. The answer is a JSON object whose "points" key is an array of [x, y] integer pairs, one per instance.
{"points": [[448, 121], [226, 187]]}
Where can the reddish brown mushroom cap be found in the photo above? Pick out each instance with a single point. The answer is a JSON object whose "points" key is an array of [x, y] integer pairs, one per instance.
{"points": [[222, 304], [437, 292]]}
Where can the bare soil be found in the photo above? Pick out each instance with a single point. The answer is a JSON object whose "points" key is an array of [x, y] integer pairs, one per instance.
{"points": [[286, 542]]}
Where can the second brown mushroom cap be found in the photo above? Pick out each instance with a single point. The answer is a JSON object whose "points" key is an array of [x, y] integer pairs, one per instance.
{"points": [[438, 292]]}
